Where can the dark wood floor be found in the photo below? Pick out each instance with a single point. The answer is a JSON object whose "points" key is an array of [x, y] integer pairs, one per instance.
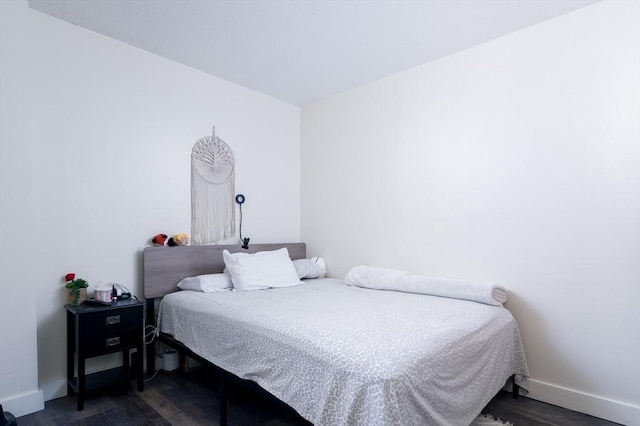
{"points": [[192, 399]]}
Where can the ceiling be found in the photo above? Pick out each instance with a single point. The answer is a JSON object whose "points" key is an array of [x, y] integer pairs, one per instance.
{"points": [[301, 51]]}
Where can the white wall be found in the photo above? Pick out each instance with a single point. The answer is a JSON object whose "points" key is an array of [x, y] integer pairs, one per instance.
{"points": [[107, 167], [19, 392], [518, 162]]}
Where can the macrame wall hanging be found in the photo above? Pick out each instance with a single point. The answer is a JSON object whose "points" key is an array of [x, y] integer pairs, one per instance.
{"points": [[212, 191]]}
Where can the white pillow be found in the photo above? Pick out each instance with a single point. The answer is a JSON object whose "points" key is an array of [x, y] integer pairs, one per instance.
{"points": [[207, 283], [264, 269], [315, 267]]}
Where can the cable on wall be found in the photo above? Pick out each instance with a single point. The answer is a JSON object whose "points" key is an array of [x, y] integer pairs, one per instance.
{"points": [[245, 241]]}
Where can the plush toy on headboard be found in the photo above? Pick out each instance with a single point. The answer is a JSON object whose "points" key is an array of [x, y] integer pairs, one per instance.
{"points": [[159, 239], [178, 240]]}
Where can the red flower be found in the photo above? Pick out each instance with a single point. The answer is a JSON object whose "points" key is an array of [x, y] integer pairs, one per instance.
{"points": [[69, 276]]}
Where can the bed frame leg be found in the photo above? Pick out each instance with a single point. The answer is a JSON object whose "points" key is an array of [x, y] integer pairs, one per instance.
{"points": [[224, 397], [515, 390]]}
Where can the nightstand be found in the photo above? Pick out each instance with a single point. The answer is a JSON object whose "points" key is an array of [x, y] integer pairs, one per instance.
{"points": [[99, 330]]}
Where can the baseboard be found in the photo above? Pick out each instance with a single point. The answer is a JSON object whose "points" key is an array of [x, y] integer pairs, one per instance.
{"points": [[54, 390], [614, 411], [24, 404]]}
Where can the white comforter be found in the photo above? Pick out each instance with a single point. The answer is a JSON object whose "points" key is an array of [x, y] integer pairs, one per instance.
{"points": [[344, 355]]}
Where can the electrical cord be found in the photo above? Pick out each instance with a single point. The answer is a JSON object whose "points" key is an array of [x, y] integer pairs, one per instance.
{"points": [[152, 377], [245, 241], [240, 222], [153, 333]]}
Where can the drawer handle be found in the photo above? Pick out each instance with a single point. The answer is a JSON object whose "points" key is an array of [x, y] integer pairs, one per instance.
{"points": [[113, 320], [113, 341]]}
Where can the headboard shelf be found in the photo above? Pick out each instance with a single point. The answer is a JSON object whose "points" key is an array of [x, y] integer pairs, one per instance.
{"points": [[165, 266]]}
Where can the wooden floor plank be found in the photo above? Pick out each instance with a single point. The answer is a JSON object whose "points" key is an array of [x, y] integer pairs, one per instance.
{"points": [[166, 408], [191, 399]]}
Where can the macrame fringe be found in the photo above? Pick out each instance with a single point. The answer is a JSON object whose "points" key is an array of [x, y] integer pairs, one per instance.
{"points": [[212, 215], [212, 191]]}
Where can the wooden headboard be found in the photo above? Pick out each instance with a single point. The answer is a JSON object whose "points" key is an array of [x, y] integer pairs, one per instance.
{"points": [[164, 267]]}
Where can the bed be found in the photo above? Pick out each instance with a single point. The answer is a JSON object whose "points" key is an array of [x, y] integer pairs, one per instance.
{"points": [[339, 354]]}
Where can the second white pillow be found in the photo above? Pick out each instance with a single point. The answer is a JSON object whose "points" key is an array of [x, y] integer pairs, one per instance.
{"points": [[315, 267], [261, 270], [208, 283]]}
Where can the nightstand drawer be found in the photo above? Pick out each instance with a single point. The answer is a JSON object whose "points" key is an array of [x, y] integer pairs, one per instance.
{"points": [[110, 321], [100, 343]]}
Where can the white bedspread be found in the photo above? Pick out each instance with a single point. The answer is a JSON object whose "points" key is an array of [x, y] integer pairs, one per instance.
{"points": [[343, 355]]}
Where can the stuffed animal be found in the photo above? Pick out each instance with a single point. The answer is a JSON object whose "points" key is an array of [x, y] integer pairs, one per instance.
{"points": [[178, 240], [159, 240]]}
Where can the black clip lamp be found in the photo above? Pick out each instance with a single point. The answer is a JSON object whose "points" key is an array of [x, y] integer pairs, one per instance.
{"points": [[245, 241]]}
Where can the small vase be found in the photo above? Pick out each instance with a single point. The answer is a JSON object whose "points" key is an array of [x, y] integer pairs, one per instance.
{"points": [[81, 298]]}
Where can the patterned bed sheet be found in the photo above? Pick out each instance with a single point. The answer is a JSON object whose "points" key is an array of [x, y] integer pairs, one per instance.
{"points": [[342, 355]]}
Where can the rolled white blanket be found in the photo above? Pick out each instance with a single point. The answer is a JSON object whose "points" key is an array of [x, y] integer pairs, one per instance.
{"points": [[388, 279]]}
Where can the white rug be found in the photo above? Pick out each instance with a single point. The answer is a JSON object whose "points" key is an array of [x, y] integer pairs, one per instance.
{"points": [[488, 420]]}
